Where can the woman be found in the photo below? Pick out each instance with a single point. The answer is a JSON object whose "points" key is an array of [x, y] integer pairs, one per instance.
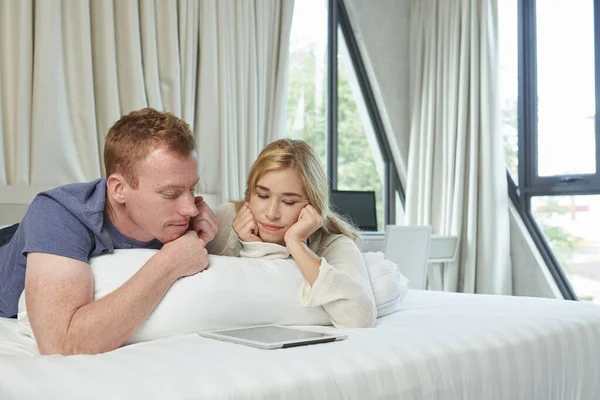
{"points": [[286, 212]]}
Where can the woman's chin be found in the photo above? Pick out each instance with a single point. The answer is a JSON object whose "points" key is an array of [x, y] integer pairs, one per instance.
{"points": [[269, 237]]}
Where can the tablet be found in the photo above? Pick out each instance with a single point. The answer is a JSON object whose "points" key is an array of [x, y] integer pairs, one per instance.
{"points": [[272, 336]]}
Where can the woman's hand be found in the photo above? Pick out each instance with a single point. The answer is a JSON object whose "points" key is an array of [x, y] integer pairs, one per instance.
{"points": [[245, 225], [308, 222]]}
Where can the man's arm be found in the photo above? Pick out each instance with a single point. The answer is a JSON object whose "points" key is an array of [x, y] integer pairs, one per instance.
{"points": [[65, 319]]}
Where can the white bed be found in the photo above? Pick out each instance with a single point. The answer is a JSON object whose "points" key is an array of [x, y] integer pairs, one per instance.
{"points": [[436, 346]]}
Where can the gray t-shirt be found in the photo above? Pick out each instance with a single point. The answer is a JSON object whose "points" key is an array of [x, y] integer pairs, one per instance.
{"points": [[68, 221]]}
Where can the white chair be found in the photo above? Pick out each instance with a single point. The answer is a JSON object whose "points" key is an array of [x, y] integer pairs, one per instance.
{"points": [[443, 249], [408, 247]]}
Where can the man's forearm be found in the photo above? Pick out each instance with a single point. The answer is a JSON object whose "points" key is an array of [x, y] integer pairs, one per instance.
{"points": [[105, 324]]}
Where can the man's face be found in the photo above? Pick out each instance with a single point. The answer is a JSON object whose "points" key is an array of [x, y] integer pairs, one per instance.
{"points": [[163, 203], [276, 203]]}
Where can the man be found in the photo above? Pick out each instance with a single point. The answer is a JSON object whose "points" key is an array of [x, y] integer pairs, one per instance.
{"points": [[146, 201]]}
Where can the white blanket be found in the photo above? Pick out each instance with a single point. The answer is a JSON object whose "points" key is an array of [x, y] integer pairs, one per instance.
{"points": [[436, 346]]}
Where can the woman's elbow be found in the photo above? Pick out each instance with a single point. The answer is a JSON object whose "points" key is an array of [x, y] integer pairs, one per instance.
{"points": [[364, 319], [368, 321], [356, 323], [364, 323]]}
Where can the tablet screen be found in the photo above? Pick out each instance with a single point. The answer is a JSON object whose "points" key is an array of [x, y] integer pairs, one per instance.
{"points": [[271, 334]]}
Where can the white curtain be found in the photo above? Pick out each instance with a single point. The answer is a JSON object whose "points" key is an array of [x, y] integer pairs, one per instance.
{"points": [[456, 171], [70, 68], [244, 46]]}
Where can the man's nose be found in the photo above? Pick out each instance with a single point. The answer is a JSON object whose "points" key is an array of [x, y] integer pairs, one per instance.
{"points": [[188, 207]]}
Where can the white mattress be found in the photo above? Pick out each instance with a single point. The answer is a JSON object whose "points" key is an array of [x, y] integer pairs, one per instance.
{"points": [[437, 346]]}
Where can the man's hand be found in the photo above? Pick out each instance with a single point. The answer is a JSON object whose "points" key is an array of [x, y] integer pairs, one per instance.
{"points": [[308, 222], [205, 224], [187, 253], [245, 225]]}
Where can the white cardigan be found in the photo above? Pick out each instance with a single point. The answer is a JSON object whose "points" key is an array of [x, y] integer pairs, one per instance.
{"points": [[342, 287]]}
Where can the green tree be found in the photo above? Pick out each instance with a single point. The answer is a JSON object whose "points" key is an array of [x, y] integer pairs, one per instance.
{"points": [[510, 136], [305, 117], [356, 166], [306, 120], [560, 241]]}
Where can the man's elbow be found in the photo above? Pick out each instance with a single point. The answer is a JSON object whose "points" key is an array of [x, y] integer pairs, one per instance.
{"points": [[48, 349], [69, 348], [56, 350], [52, 347]]}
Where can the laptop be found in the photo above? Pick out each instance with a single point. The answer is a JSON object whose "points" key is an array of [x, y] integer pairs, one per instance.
{"points": [[358, 206]]}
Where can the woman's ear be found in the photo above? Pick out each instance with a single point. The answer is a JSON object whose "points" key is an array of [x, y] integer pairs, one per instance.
{"points": [[116, 187]]}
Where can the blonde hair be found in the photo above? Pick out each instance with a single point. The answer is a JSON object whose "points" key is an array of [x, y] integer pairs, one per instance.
{"points": [[134, 136], [299, 156]]}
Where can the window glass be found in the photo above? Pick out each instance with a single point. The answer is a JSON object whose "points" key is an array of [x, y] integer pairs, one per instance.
{"points": [[509, 80], [360, 163], [307, 80], [565, 81], [570, 226]]}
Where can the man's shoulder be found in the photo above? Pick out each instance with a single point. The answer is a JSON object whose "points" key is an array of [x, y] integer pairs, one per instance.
{"points": [[73, 207], [60, 222], [83, 193], [79, 199]]}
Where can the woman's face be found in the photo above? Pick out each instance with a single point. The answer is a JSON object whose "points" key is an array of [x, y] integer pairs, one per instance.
{"points": [[276, 202]]}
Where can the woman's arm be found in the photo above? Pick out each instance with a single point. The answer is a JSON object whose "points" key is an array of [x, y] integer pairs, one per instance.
{"points": [[306, 259], [337, 278], [226, 241], [296, 237], [342, 286]]}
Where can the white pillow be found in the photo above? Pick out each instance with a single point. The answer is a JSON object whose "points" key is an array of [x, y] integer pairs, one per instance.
{"points": [[232, 292], [388, 284]]}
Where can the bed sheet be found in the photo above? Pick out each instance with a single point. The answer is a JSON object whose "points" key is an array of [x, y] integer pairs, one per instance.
{"points": [[436, 346]]}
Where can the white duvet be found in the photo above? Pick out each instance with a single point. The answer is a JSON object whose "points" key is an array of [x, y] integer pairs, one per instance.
{"points": [[436, 346]]}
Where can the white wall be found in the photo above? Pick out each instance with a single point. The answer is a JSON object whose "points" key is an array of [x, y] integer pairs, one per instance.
{"points": [[14, 201], [381, 30], [531, 276]]}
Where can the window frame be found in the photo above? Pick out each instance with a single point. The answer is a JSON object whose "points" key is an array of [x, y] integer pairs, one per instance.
{"points": [[338, 17], [530, 184]]}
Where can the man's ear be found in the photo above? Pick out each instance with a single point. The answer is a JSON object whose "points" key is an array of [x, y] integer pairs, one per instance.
{"points": [[116, 187]]}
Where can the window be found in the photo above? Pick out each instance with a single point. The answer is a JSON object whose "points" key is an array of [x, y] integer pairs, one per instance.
{"points": [[557, 184], [565, 88], [509, 89], [360, 163], [331, 106], [570, 226], [307, 82]]}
